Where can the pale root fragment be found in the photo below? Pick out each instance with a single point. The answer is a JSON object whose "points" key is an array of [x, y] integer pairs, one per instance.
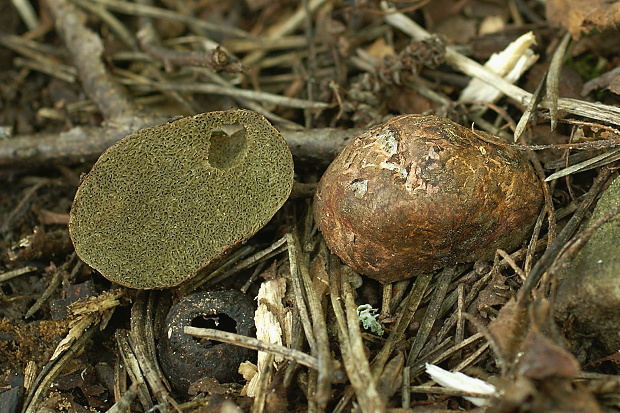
{"points": [[511, 64]]}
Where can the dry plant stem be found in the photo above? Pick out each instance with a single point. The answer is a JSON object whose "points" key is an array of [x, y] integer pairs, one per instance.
{"points": [[254, 259], [386, 294], [529, 109], [120, 377], [373, 398], [54, 284], [512, 264], [86, 49], [21, 205], [111, 21], [215, 59], [254, 344], [51, 70], [132, 366], [77, 145], [185, 102], [363, 384], [472, 357], [9, 275], [263, 97], [290, 24], [37, 57], [605, 113], [124, 403], [300, 302], [135, 9], [432, 353], [304, 291], [417, 370], [246, 103], [501, 362], [266, 376], [545, 261], [80, 144], [553, 78], [412, 302], [27, 13], [594, 162], [460, 321], [52, 369], [200, 279], [431, 314], [142, 341], [546, 212], [152, 375]]}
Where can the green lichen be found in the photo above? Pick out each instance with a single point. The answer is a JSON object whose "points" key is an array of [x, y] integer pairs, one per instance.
{"points": [[368, 316]]}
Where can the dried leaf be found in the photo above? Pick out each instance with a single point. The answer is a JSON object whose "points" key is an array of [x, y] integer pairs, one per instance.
{"points": [[609, 80], [583, 16], [542, 359], [508, 329]]}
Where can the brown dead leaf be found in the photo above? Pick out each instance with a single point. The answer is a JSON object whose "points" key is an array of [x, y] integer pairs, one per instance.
{"points": [[609, 80], [508, 329], [542, 359], [583, 16], [563, 396]]}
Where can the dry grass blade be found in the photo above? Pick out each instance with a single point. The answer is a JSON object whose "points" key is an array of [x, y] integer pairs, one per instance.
{"points": [[318, 325], [229, 91], [350, 339], [431, 314], [132, 367], [543, 263], [594, 162], [287, 27], [87, 47], [553, 78], [142, 341], [81, 333], [412, 302], [124, 403], [159, 13], [529, 109], [5, 276]]}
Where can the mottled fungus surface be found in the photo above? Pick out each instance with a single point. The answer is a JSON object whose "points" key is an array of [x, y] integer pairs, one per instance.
{"points": [[418, 193], [166, 201]]}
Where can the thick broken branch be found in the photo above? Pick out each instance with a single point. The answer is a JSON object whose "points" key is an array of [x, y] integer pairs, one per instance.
{"points": [[82, 144], [86, 48]]}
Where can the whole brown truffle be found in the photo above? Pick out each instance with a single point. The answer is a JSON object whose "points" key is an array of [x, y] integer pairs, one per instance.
{"points": [[418, 193]]}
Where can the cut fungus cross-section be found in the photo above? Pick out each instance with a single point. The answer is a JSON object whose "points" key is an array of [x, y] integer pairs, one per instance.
{"points": [[167, 201]]}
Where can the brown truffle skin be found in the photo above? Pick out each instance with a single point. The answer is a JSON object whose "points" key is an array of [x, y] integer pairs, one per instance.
{"points": [[418, 193]]}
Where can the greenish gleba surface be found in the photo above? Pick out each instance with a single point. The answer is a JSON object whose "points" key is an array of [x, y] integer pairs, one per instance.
{"points": [[166, 201]]}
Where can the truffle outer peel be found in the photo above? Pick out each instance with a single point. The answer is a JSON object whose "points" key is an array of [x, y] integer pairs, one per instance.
{"points": [[418, 193]]}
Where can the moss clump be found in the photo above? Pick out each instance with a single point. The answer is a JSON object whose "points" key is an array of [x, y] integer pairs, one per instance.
{"points": [[164, 202]]}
